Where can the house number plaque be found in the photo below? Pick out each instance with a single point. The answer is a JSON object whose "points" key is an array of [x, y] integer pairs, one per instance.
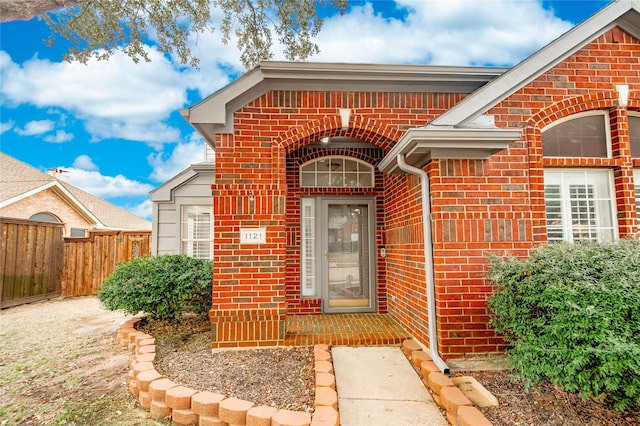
{"points": [[253, 236]]}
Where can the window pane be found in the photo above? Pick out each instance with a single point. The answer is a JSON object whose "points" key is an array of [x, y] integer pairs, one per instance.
{"points": [[336, 172], [308, 247], [553, 206], [634, 134], [44, 217], [584, 136], [197, 231], [579, 205], [77, 232]]}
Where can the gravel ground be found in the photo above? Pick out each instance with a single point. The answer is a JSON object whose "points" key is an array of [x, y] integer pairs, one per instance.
{"points": [[59, 364]]}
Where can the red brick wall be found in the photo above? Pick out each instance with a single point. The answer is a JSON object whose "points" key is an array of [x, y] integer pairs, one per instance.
{"points": [[497, 206], [479, 207], [256, 186]]}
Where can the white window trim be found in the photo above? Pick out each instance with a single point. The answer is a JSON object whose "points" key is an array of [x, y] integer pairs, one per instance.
{"points": [[636, 187], [607, 126], [185, 239], [566, 224]]}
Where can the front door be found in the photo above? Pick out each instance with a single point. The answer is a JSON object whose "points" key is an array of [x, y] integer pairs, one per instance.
{"points": [[347, 265]]}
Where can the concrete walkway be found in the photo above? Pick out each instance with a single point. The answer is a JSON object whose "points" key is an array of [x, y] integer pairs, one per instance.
{"points": [[377, 386]]}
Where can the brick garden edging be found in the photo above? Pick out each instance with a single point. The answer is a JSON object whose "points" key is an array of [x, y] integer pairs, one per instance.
{"points": [[460, 410], [185, 406]]}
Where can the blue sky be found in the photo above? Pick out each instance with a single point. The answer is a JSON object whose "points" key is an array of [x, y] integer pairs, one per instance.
{"points": [[115, 127]]}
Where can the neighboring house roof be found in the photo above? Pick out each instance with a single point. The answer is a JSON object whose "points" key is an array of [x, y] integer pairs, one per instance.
{"points": [[463, 127], [19, 180]]}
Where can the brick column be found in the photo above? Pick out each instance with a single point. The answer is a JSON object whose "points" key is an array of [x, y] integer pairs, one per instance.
{"points": [[623, 174], [248, 306]]}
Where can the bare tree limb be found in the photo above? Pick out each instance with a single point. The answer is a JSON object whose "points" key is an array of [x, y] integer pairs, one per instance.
{"points": [[12, 10]]}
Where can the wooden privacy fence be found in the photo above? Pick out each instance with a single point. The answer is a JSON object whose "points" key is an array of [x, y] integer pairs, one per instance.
{"points": [[88, 261], [31, 261], [37, 262]]}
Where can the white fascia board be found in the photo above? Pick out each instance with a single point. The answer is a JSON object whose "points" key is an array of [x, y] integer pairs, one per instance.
{"points": [[419, 145], [19, 197], [332, 71], [529, 69], [212, 110], [164, 192], [66, 196]]}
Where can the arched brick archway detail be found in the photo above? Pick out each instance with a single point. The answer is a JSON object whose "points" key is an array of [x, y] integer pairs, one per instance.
{"points": [[365, 129], [290, 147], [593, 101], [602, 100]]}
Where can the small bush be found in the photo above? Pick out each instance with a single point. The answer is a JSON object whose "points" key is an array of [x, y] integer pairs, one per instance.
{"points": [[163, 287], [572, 316]]}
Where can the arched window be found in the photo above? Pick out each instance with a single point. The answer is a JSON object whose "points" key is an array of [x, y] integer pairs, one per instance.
{"points": [[580, 135], [336, 172], [579, 203], [45, 217]]}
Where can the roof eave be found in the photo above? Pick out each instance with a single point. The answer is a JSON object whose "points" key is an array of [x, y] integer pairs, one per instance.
{"points": [[213, 114], [423, 144]]}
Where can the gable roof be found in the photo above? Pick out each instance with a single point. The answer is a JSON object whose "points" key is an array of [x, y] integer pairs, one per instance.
{"points": [[165, 191], [214, 114], [19, 180], [463, 131], [620, 13]]}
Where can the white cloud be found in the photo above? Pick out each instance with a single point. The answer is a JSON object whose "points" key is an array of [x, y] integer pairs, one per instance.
{"points": [[112, 96], [166, 165], [84, 162], [35, 127], [143, 210], [59, 137], [6, 126], [445, 32], [105, 186]]}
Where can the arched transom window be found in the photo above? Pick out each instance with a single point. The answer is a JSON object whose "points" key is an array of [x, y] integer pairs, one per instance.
{"points": [[581, 135], [336, 172], [45, 217]]}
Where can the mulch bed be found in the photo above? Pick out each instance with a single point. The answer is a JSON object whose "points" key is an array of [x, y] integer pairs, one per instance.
{"points": [[546, 405], [284, 378]]}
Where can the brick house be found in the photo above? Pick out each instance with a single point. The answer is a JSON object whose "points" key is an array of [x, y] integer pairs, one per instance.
{"points": [[28, 193], [384, 188]]}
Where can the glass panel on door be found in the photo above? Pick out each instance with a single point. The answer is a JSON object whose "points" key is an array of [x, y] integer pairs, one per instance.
{"points": [[347, 253]]}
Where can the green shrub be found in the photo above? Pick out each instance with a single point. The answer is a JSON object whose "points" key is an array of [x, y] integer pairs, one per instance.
{"points": [[571, 314], [163, 287]]}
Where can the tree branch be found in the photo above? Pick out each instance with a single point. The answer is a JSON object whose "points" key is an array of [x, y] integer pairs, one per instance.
{"points": [[11, 10]]}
